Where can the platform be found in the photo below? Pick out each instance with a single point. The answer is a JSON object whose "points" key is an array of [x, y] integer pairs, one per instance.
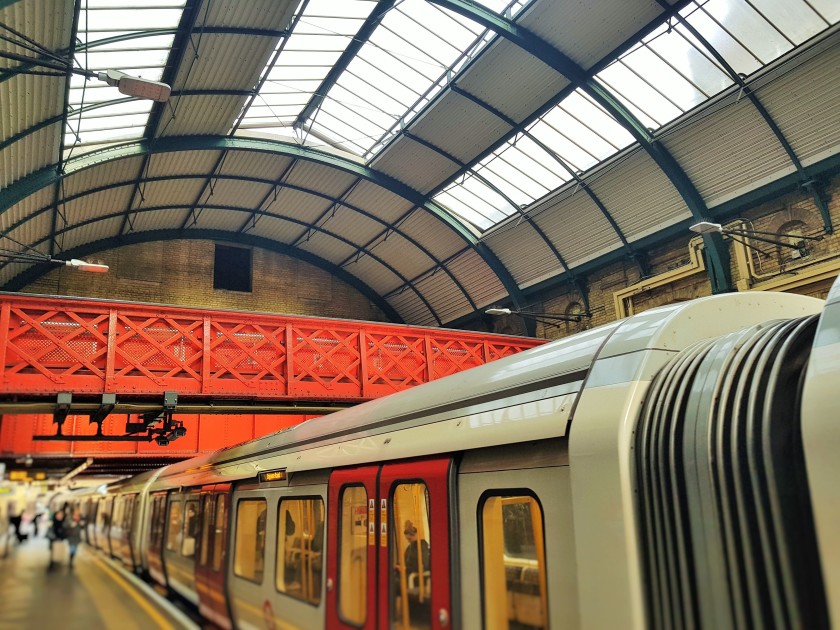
{"points": [[95, 594]]}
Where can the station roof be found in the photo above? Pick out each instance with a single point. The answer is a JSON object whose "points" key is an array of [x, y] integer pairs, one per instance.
{"points": [[440, 155]]}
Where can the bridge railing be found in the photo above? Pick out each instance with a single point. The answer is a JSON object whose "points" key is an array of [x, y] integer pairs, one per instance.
{"points": [[50, 345]]}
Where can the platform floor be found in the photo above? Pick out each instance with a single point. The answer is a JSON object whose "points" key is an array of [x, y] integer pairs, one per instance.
{"points": [[94, 594]]}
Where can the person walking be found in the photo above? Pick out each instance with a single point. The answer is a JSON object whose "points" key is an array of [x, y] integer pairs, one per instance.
{"points": [[73, 530], [57, 532]]}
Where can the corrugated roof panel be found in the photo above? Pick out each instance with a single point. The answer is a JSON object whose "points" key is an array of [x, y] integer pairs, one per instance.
{"points": [[98, 204], [523, 252], [373, 273], [28, 18], [28, 155], [443, 294], [415, 165], [254, 164], [27, 207], [412, 309], [29, 100], [578, 229], [479, 280], [326, 246], [276, 229], [570, 26], [511, 80], [351, 225], [274, 14], [178, 192], [804, 103], [224, 62], [147, 221], [103, 174], [300, 205], [402, 255], [727, 154], [90, 233], [379, 201], [34, 232], [231, 192], [182, 163], [324, 179], [201, 115], [459, 127], [639, 196], [432, 233], [212, 219]]}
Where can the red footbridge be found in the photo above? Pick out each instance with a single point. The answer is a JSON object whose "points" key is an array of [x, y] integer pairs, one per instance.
{"points": [[236, 375]]}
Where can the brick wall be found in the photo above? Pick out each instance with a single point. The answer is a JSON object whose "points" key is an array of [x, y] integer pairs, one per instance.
{"points": [[795, 211], [181, 273]]}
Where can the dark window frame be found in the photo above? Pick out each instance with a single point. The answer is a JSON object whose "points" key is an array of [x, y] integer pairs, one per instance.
{"points": [[233, 268]]}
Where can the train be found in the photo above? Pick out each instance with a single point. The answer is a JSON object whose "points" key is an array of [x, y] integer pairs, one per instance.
{"points": [[677, 468]]}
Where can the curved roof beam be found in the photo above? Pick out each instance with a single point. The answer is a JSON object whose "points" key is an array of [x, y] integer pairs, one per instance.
{"points": [[806, 182], [716, 251], [89, 249], [47, 176], [406, 281]]}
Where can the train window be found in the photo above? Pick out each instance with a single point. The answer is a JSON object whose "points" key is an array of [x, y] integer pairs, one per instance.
{"points": [[174, 531], [513, 561], [206, 522], [300, 539], [158, 520], [411, 562], [353, 556], [219, 532], [249, 557], [190, 529]]}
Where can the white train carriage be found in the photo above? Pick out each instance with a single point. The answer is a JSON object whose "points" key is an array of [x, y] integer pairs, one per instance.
{"points": [[554, 488]]}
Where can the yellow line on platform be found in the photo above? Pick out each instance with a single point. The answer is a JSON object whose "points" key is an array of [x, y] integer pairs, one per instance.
{"points": [[145, 605]]}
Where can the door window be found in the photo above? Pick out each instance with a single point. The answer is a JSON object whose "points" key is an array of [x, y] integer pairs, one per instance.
{"points": [[206, 525], [175, 520], [353, 555], [300, 540], [513, 561], [249, 555], [411, 576], [190, 529], [219, 532]]}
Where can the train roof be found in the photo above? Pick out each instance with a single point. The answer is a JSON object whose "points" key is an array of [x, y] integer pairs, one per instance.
{"points": [[524, 397]]}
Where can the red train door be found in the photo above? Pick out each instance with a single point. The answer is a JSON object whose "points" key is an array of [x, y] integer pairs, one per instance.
{"points": [[403, 510], [210, 556]]}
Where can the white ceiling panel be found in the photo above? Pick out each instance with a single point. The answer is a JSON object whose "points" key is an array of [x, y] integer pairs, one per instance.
{"points": [[181, 163], [323, 179], [90, 233], [156, 220], [577, 227], [373, 273], [276, 229], [31, 205], [254, 164], [99, 204], [177, 192], [403, 256], [431, 232], [725, 154], [111, 172], [232, 192], [379, 201], [213, 219], [444, 295], [224, 61], [477, 278], [511, 80], [351, 225], [639, 196], [523, 253], [28, 155], [300, 205], [571, 26], [415, 165], [211, 114], [459, 127], [412, 309], [326, 246]]}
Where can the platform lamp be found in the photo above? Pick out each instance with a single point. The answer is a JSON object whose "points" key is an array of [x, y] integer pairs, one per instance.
{"points": [[125, 83], [73, 263], [548, 319], [708, 227]]}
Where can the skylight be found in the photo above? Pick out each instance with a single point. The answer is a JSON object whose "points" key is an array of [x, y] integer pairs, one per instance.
{"points": [[98, 113], [665, 75]]}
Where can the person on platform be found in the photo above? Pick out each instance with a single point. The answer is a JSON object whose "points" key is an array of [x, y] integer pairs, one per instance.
{"points": [[15, 520], [73, 530], [57, 531]]}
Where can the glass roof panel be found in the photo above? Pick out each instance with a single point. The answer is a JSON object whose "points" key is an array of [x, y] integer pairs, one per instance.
{"points": [[104, 43], [404, 63], [476, 202]]}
